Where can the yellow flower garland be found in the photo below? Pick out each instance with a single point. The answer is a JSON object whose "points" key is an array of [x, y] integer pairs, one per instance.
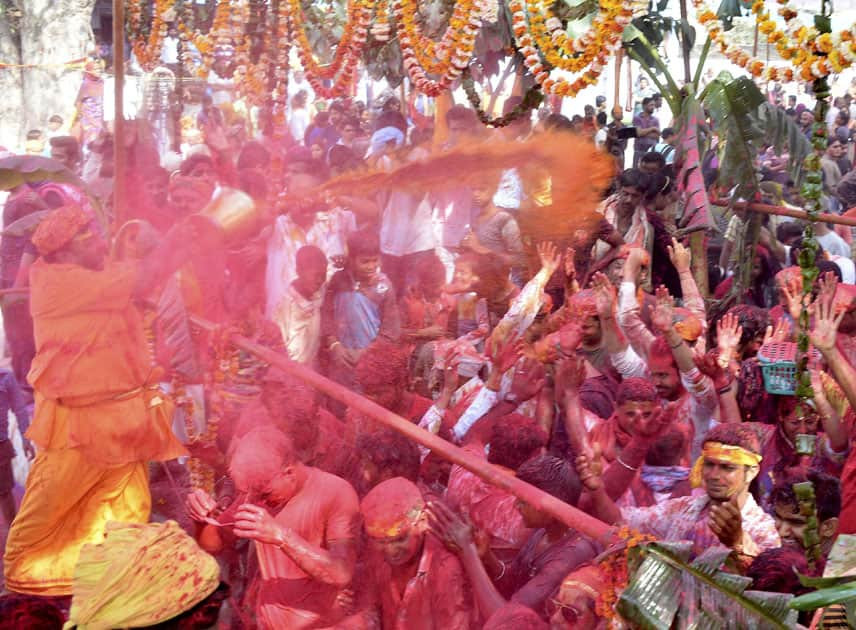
{"points": [[446, 58], [811, 56], [348, 51], [575, 55], [148, 52], [607, 38]]}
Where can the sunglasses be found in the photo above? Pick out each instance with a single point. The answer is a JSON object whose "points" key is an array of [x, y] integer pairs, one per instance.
{"points": [[569, 613]]}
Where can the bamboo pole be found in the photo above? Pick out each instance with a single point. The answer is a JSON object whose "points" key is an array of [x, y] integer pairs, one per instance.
{"points": [[119, 120], [567, 514], [765, 208]]}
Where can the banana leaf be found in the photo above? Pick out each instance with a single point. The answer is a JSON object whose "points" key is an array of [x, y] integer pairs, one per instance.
{"points": [[825, 597], [668, 591], [727, 11], [695, 206], [733, 104], [838, 584]]}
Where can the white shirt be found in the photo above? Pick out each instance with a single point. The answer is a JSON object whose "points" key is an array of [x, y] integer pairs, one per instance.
{"points": [[834, 245], [299, 319], [329, 233], [297, 124], [406, 224], [169, 51]]}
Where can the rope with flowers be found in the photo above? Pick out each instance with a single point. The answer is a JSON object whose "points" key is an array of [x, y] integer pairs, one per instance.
{"points": [[342, 69], [278, 72], [574, 55], [806, 47], [148, 50], [532, 61], [811, 56], [447, 58], [812, 192], [531, 100]]}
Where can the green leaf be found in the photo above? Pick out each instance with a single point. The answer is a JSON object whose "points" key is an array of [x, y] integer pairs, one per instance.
{"points": [[823, 582], [785, 135], [666, 587], [825, 597]]}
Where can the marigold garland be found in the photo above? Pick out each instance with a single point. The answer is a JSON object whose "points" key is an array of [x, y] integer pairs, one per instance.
{"points": [[532, 61], [575, 55], [615, 572], [148, 50], [342, 69], [812, 56], [447, 58]]}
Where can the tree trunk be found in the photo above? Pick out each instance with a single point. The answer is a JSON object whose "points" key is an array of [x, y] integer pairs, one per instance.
{"points": [[53, 32], [11, 87]]}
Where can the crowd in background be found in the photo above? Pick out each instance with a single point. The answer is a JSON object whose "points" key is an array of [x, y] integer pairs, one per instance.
{"points": [[592, 368]]}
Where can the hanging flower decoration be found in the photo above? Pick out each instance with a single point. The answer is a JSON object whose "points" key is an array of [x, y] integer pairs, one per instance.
{"points": [[447, 58], [575, 55], [606, 41], [278, 74], [381, 27], [810, 54], [342, 69], [148, 50]]}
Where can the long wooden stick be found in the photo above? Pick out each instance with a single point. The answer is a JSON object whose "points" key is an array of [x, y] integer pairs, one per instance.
{"points": [[786, 212], [567, 514]]}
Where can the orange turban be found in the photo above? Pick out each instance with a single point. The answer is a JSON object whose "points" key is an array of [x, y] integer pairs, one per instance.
{"points": [[59, 228], [390, 507]]}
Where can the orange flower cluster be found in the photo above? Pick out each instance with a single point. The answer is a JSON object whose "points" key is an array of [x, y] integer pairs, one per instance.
{"points": [[348, 51], [605, 41], [148, 51], [575, 55], [811, 55], [446, 58], [614, 570]]}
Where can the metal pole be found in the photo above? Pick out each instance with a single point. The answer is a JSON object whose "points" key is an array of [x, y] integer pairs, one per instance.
{"points": [[119, 209]]}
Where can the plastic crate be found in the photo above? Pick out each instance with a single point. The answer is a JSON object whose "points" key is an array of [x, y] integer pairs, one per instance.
{"points": [[779, 366]]}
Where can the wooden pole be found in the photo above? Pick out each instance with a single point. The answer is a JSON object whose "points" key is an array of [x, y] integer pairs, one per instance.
{"points": [[119, 209], [787, 212], [567, 514], [685, 49]]}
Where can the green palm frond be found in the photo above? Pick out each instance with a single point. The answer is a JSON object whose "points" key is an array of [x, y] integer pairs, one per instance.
{"points": [[670, 591]]}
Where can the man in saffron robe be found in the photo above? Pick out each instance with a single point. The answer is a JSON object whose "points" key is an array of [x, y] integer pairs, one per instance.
{"points": [[98, 419]]}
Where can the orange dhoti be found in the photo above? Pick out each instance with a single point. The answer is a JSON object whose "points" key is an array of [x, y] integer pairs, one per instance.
{"points": [[96, 423]]}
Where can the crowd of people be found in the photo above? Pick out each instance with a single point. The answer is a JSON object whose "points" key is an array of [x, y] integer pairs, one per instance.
{"points": [[593, 368]]}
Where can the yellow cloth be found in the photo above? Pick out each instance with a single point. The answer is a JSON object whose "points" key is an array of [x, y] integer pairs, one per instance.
{"points": [[141, 575], [92, 363], [722, 453], [96, 421], [66, 504]]}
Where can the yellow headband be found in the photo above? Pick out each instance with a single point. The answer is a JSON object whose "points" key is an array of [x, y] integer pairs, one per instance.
{"points": [[723, 453]]}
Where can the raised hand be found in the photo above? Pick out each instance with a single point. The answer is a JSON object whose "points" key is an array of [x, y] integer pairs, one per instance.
{"points": [[658, 422], [570, 336], [680, 256], [826, 321], [504, 353], [795, 299], [445, 524], [570, 268], [728, 334], [636, 259], [709, 365], [549, 255], [663, 316], [604, 295], [570, 374], [780, 332]]}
